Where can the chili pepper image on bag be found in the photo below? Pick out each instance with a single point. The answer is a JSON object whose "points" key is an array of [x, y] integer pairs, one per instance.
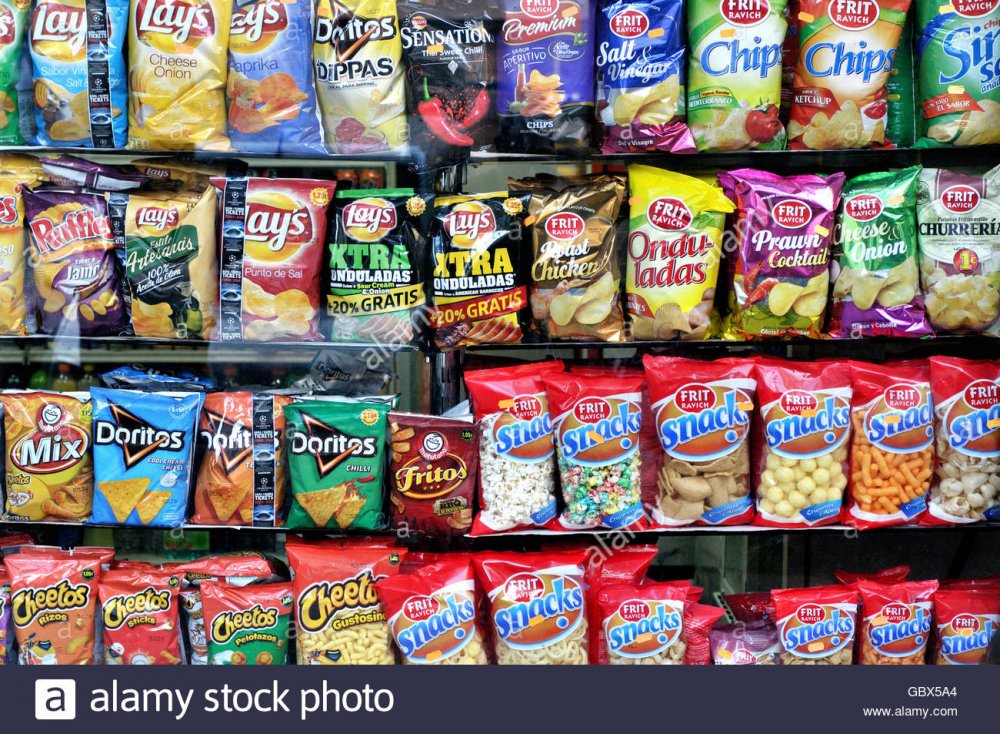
{"points": [[14, 15], [247, 625]]}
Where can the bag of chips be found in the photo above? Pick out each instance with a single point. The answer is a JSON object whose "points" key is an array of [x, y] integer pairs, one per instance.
{"points": [[164, 174], [15, 177], [15, 14], [80, 87], [895, 622], [8, 654], [965, 623], [876, 281], [753, 643], [141, 615], [817, 625], [643, 623], [247, 625]]}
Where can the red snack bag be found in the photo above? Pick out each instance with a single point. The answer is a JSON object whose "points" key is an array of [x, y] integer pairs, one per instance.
{"points": [[703, 412], [753, 606], [642, 624], [975, 582], [626, 565], [966, 486], [891, 575], [698, 622], [537, 606], [516, 450], [801, 459], [965, 621], [140, 614], [753, 643], [816, 626], [895, 622]]}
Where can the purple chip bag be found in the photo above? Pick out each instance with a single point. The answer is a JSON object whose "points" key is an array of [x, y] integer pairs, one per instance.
{"points": [[783, 229], [68, 170], [6, 633], [746, 643]]}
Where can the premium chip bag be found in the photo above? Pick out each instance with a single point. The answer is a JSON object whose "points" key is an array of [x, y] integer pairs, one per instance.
{"points": [[170, 262], [734, 74], [640, 76], [643, 623], [965, 623], [15, 14], [80, 85], [958, 217], [358, 57], [477, 286], [77, 274], [782, 260], [247, 625], [177, 74], [575, 277], [141, 615], [272, 233], [876, 280], [15, 177], [49, 471], [143, 456], [335, 453], [896, 622], [377, 251], [270, 92], [816, 626], [674, 250]]}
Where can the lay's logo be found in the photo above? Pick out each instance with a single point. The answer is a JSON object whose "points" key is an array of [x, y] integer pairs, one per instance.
{"points": [[276, 220], [901, 420], [537, 609], [369, 220], [157, 218], [469, 221], [174, 26], [59, 31], [899, 630], [965, 639], [429, 629], [973, 421], [523, 432], [639, 628], [600, 430], [806, 424], [817, 630], [255, 26], [8, 26], [8, 210], [704, 421]]}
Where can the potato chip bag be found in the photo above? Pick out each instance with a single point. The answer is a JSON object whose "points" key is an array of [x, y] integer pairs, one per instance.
{"points": [[270, 92], [49, 472], [782, 261], [846, 53], [140, 612], [13, 304], [272, 234], [79, 75], [876, 281], [13, 21], [177, 74], [640, 76], [358, 57], [734, 77], [674, 250], [163, 174]]}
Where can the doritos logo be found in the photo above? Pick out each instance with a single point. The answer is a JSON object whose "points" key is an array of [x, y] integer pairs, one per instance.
{"points": [[136, 437], [48, 604], [369, 220], [140, 607], [183, 23], [330, 446], [230, 440]]}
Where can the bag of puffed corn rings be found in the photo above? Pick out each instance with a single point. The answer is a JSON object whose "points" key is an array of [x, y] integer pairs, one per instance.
{"points": [[892, 446], [816, 626], [800, 462], [643, 623], [338, 613], [959, 231], [965, 620], [895, 622]]}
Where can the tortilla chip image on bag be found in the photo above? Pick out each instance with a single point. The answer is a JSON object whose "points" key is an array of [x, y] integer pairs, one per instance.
{"points": [[14, 18], [80, 82]]}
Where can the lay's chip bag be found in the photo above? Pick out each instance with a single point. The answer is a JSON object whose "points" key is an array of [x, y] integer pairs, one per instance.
{"points": [[15, 176], [177, 74], [143, 456], [79, 71], [270, 93], [13, 19]]}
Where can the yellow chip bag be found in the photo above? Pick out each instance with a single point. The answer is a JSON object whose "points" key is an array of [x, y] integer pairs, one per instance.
{"points": [[13, 179]]}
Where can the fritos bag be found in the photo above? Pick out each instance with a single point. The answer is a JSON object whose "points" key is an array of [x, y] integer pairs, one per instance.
{"points": [[966, 486], [965, 622], [895, 622], [247, 625], [13, 309], [846, 52], [575, 278], [674, 250], [140, 611], [15, 13], [782, 274], [800, 461], [892, 445], [643, 624], [703, 411], [817, 625]]}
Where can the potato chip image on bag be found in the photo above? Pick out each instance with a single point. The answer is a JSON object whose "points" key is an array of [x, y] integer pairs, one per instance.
{"points": [[13, 22], [79, 74], [13, 303]]}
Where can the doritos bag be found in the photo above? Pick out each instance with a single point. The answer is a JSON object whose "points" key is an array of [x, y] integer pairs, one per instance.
{"points": [[15, 14], [13, 308], [141, 615], [247, 625], [895, 622]]}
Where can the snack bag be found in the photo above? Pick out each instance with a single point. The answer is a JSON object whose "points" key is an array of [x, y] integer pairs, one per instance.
{"points": [[959, 99], [966, 485], [607, 567], [643, 623], [674, 250], [753, 643], [247, 625], [477, 286], [164, 174], [640, 76], [8, 656], [377, 252], [965, 622], [80, 86], [959, 218], [15, 177], [242, 473], [536, 606], [876, 283], [595, 424], [892, 446], [358, 57], [800, 462], [177, 74], [49, 471], [817, 625], [575, 278], [143, 456], [889, 575], [901, 88], [782, 259], [140, 611], [846, 52], [703, 411], [338, 613], [335, 453], [432, 614], [77, 274], [516, 450], [15, 14], [170, 261], [896, 622], [734, 77], [699, 619], [272, 233]]}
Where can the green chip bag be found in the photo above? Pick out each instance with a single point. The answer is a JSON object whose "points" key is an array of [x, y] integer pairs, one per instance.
{"points": [[13, 19], [336, 454], [247, 625]]}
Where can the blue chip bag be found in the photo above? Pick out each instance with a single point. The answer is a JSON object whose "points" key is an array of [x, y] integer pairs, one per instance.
{"points": [[270, 93], [80, 82], [143, 456]]}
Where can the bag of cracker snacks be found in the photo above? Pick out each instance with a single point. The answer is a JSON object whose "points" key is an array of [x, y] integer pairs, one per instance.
{"points": [[15, 19]]}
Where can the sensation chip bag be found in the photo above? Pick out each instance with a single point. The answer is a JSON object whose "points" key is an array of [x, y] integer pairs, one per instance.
{"points": [[15, 15]]}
